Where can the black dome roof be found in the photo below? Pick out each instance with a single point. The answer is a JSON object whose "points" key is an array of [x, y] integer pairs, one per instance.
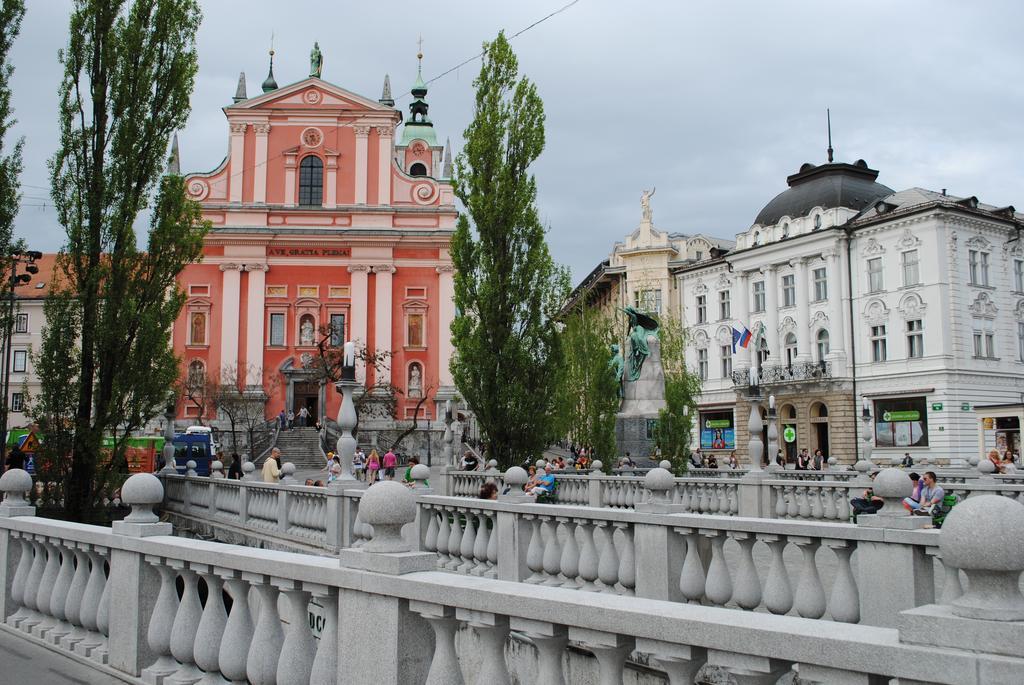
{"points": [[826, 186]]}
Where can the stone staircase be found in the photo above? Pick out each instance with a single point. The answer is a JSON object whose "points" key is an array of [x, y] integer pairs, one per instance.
{"points": [[299, 446]]}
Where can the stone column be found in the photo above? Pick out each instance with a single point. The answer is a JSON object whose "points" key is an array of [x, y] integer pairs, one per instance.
{"points": [[359, 290], [229, 316], [259, 182], [742, 289], [237, 151], [331, 181], [385, 136], [362, 133], [254, 324], [803, 311], [382, 332], [837, 316], [446, 314], [771, 317]]}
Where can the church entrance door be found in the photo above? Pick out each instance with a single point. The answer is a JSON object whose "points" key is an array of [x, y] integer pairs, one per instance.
{"points": [[306, 394]]}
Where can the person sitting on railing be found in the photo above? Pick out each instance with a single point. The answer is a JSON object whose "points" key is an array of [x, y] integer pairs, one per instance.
{"points": [[489, 491], [733, 461], [712, 462], [818, 461], [1007, 463], [697, 459], [780, 459], [915, 494], [803, 460], [993, 456], [868, 503], [545, 483], [908, 461], [931, 494], [470, 461], [272, 467]]}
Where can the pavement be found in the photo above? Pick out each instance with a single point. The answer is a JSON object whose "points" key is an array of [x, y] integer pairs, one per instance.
{"points": [[24, 661]]}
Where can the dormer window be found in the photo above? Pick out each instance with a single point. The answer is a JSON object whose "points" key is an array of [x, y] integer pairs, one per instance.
{"points": [[757, 238], [311, 182], [817, 221]]}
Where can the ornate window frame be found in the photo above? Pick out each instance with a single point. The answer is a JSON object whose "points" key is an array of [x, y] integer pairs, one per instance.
{"points": [[411, 308], [198, 306]]}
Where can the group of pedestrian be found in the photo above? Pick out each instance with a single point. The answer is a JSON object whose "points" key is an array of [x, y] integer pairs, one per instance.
{"points": [[289, 420]]}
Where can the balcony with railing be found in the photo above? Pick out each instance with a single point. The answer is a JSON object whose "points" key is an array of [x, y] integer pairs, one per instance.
{"points": [[776, 374]]}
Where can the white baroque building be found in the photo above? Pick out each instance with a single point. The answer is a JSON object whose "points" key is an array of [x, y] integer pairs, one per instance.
{"points": [[909, 302]]}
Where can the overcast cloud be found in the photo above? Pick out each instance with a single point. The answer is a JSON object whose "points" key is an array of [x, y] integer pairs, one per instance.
{"points": [[713, 102]]}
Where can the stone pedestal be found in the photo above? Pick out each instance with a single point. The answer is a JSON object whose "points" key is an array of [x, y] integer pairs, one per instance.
{"points": [[642, 400]]}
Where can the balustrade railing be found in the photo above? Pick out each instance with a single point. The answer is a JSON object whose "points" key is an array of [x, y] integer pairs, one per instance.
{"points": [[241, 614]]}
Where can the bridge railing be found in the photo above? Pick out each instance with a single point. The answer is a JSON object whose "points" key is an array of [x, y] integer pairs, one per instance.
{"points": [[109, 596]]}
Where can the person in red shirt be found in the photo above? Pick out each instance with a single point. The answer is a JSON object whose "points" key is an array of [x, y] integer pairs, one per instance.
{"points": [[389, 464]]}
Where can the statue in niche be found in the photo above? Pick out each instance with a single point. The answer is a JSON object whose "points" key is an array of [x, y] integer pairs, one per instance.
{"points": [[306, 332], [415, 385], [640, 326]]}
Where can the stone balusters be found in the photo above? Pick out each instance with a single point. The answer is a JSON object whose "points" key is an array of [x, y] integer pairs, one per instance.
{"points": [[238, 630], [185, 627], [76, 592], [46, 586], [778, 592], [299, 649], [264, 650], [19, 582], [211, 626], [610, 650], [492, 633], [550, 640], [161, 623], [444, 664], [59, 598], [95, 589], [324, 668], [680, 662]]}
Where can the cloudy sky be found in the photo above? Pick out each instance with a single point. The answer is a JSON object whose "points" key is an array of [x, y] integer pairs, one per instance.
{"points": [[714, 102]]}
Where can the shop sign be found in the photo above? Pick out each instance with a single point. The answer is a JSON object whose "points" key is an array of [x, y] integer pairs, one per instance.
{"points": [[911, 415], [936, 406], [789, 434], [718, 423]]}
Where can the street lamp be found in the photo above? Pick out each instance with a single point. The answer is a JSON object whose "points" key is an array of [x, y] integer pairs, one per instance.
{"points": [[14, 279]]}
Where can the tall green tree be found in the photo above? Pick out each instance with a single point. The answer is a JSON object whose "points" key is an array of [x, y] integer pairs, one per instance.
{"points": [[129, 71], [507, 288], [590, 390], [11, 13], [682, 390]]}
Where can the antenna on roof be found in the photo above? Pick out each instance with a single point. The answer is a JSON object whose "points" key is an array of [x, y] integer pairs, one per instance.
{"points": [[828, 118]]}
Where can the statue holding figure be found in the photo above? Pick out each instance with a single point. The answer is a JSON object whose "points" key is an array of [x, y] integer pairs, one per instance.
{"points": [[640, 326], [645, 203], [617, 365], [316, 61]]}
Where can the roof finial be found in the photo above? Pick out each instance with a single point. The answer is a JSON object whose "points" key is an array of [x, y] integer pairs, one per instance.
{"points": [[240, 93], [828, 118], [385, 93], [174, 165], [419, 54], [269, 83]]}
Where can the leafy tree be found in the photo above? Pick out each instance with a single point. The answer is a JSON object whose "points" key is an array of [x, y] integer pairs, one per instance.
{"points": [[11, 13], [682, 388], [508, 290], [590, 391], [128, 77]]}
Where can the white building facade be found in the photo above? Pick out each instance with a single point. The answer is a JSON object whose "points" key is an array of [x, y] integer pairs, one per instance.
{"points": [[911, 300]]}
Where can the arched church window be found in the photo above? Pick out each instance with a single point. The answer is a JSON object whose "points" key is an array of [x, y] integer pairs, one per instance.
{"points": [[197, 328], [311, 182], [418, 169], [196, 373]]}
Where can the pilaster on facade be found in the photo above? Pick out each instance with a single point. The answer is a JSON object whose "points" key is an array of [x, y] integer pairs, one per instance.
{"points": [[237, 152], [446, 299], [382, 316], [385, 138], [359, 291], [803, 310], [259, 184], [229, 315], [362, 140], [255, 298]]}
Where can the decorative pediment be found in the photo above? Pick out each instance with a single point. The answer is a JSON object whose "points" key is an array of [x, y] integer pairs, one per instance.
{"points": [[1014, 249], [911, 306], [908, 240], [872, 249], [818, 320], [876, 312], [723, 282], [724, 335], [978, 243], [700, 288], [700, 339], [984, 306], [787, 325], [312, 92]]}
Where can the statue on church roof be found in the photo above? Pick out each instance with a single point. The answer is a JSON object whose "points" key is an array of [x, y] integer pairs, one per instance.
{"points": [[316, 61], [645, 203]]}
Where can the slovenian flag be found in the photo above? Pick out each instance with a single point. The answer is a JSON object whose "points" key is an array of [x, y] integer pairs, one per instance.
{"points": [[740, 337]]}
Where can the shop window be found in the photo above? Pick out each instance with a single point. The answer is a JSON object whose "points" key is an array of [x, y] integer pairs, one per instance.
{"points": [[901, 422], [717, 431]]}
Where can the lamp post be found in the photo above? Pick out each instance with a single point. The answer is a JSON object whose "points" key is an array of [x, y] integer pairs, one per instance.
{"points": [[863, 466], [347, 417], [755, 448], [14, 279], [773, 431]]}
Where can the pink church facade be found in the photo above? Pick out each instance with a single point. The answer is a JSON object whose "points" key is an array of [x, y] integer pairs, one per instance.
{"points": [[320, 216]]}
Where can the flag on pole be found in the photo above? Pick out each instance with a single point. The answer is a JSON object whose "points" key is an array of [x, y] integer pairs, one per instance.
{"points": [[740, 337], [758, 335]]}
